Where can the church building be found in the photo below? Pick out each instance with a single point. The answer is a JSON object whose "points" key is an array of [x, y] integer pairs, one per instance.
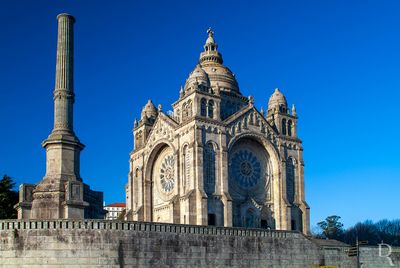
{"points": [[217, 159]]}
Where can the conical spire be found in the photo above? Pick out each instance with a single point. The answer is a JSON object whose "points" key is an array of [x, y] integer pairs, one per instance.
{"points": [[149, 110], [294, 110], [277, 100]]}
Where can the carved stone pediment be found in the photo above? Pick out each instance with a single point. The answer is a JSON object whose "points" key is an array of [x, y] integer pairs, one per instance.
{"points": [[250, 119], [164, 128]]}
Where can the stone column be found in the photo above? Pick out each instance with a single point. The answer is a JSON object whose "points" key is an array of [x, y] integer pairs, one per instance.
{"points": [[60, 193], [64, 86], [62, 146]]}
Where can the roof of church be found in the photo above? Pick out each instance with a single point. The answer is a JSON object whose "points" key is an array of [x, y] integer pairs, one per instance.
{"points": [[210, 71]]}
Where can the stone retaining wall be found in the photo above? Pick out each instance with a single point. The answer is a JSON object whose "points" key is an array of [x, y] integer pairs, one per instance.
{"points": [[99, 243]]}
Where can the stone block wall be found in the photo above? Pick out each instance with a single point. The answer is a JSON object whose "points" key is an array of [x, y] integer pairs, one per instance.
{"points": [[373, 257], [99, 243]]}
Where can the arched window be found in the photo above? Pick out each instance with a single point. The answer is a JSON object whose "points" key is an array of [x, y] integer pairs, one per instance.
{"points": [[203, 108], [209, 168], [136, 182], [284, 126], [289, 128], [186, 169], [138, 139], [184, 112], [290, 180], [189, 108], [211, 109]]}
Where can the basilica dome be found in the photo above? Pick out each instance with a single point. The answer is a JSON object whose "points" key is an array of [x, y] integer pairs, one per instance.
{"points": [[221, 75], [210, 71]]}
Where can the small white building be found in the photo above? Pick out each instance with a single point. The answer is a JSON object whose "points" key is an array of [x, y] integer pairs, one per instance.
{"points": [[114, 210]]}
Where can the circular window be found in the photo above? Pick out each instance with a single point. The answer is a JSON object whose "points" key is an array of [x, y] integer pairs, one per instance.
{"points": [[246, 168], [167, 172]]}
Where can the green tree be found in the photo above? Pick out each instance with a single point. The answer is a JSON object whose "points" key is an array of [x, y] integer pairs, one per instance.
{"points": [[331, 227], [8, 198]]}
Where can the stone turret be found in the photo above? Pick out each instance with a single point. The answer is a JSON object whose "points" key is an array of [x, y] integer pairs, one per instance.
{"points": [[278, 114], [142, 129], [149, 113]]}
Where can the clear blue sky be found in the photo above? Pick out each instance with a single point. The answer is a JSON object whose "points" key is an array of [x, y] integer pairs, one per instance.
{"points": [[338, 61]]}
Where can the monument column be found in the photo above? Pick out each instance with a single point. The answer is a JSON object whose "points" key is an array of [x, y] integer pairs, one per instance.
{"points": [[64, 87], [60, 193]]}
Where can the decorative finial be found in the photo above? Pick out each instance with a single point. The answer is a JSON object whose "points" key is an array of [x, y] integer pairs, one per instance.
{"points": [[159, 107], [181, 93], [293, 110], [262, 111], [210, 32], [251, 100], [135, 123]]}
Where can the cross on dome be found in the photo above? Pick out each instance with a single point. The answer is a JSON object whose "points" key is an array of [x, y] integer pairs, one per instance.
{"points": [[210, 32], [210, 42]]}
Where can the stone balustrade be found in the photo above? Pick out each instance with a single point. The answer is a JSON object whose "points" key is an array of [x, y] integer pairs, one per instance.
{"points": [[143, 226]]}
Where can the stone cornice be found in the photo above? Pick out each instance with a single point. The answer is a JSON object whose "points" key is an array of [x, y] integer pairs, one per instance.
{"points": [[65, 139]]}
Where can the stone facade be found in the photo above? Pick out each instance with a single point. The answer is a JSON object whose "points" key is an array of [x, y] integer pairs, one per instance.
{"points": [[61, 194], [217, 159]]}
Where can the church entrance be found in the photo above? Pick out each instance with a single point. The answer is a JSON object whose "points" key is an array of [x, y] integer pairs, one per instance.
{"points": [[250, 220]]}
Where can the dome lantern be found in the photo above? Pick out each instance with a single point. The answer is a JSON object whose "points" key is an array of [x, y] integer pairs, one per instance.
{"points": [[210, 53]]}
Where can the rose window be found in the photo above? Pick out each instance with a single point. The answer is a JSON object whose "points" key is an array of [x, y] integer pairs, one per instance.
{"points": [[246, 168], [167, 174]]}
